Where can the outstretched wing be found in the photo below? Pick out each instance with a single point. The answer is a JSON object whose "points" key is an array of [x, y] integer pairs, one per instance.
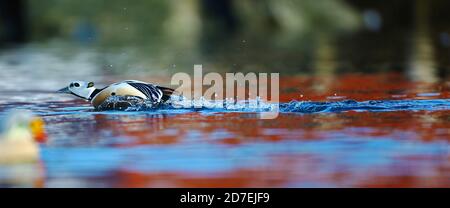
{"points": [[151, 91]]}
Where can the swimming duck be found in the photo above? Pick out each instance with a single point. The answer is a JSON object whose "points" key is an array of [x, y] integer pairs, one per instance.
{"points": [[20, 131], [146, 91]]}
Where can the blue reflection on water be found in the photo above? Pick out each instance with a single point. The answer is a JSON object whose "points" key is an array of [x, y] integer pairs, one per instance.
{"points": [[357, 153]]}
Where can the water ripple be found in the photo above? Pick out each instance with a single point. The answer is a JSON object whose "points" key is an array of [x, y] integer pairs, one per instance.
{"points": [[372, 105], [310, 106]]}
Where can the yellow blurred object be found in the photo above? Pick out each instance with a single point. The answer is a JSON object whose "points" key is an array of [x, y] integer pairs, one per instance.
{"points": [[37, 127], [20, 131]]}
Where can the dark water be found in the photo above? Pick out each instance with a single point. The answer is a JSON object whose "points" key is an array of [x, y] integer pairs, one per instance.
{"points": [[349, 130]]}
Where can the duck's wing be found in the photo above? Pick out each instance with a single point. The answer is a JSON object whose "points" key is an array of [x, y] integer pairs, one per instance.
{"points": [[151, 91], [167, 92]]}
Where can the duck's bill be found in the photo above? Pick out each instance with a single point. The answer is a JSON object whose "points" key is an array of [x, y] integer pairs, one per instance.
{"points": [[64, 90]]}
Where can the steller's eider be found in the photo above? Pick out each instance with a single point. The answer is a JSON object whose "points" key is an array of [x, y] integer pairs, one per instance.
{"points": [[146, 91]]}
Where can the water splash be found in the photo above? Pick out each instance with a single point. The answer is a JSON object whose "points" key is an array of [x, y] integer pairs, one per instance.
{"points": [[257, 105], [371, 105]]}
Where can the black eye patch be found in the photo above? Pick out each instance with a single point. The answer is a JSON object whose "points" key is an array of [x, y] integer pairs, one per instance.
{"points": [[76, 85], [91, 84], [71, 85]]}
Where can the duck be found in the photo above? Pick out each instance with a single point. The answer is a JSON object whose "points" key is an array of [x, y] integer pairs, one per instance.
{"points": [[134, 88], [20, 134]]}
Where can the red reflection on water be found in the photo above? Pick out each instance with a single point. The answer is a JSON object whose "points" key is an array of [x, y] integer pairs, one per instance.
{"points": [[359, 87], [423, 126], [236, 178]]}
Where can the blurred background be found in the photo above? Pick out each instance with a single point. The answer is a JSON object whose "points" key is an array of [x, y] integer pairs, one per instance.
{"points": [[394, 55], [287, 36]]}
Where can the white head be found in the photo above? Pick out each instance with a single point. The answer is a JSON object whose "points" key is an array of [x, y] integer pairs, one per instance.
{"points": [[80, 89]]}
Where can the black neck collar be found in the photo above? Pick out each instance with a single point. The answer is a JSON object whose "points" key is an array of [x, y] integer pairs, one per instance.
{"points": [[94, 93]]}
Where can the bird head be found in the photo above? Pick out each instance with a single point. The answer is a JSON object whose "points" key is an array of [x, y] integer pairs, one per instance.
{"points": [[80, 89]]}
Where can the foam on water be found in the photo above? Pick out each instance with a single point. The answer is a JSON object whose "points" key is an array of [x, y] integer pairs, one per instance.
{"points": [[371, 105], [229, 105]]}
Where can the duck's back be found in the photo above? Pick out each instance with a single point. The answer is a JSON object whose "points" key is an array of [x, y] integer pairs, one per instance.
{"points": [[133, 88]]}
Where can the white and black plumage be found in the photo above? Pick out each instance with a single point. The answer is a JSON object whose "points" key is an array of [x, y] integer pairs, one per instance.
{"points": [[146, 91]]}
